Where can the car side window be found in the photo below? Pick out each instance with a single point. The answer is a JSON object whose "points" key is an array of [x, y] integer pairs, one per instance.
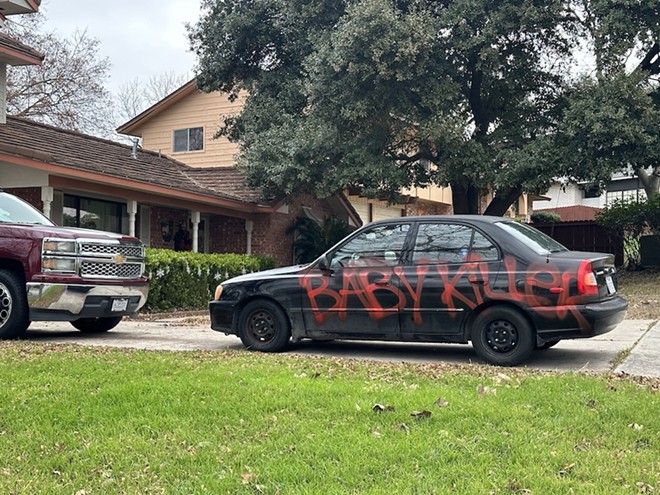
{"points": [[379, 246], [442, 243], [482, 249]]}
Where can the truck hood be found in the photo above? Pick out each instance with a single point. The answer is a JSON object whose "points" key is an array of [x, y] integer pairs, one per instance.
{"points": [[39, 231]]}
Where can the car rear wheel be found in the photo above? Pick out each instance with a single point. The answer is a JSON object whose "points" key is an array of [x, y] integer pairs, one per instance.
{"points": [[14, 312], [263, 326], [96, 325], [502, 336]]}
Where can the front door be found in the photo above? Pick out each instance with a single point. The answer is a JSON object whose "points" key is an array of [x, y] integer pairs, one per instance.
{"points": [[359, 295]]}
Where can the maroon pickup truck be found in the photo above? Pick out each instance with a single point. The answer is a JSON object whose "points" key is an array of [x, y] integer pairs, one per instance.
{"points": [[50, 273]]}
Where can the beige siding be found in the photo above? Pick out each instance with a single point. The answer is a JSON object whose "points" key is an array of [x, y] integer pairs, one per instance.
{"points": [[195, 110]]}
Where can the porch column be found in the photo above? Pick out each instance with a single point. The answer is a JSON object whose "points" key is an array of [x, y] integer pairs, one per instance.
{"points": [[131, 209], [194, 218], [249, 226], [47, 198]]}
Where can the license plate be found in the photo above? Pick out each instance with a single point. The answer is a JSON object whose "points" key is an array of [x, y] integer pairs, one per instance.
{"points": [[119, 304], [610, 284]]}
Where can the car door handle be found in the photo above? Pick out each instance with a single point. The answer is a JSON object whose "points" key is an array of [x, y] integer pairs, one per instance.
{"points": [[475, 281]]}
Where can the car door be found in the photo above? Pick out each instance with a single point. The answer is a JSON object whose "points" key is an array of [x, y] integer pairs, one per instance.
{"points": [[446, 275], [358, 294]]}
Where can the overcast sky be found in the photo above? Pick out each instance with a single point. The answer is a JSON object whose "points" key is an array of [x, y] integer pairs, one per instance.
{"points": [[142, 38]]}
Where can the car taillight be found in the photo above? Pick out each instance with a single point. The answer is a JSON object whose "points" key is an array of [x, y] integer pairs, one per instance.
{"points": [[586, 279]]}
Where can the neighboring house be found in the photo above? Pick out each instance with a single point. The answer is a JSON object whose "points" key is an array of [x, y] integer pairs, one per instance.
{"points": [[183, 125], [562, 195]]}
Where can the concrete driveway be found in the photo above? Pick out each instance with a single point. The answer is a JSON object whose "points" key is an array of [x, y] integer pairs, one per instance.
{"points": [[595, 354]]}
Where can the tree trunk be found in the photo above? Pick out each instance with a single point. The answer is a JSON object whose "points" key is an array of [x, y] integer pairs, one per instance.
{"points": [[500, 203], [465, 199], [651, 182]]}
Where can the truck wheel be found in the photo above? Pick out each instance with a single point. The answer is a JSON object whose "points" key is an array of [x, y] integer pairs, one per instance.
{"points": [[263, 326], [502, 336], [14, 311], [96, 325]]}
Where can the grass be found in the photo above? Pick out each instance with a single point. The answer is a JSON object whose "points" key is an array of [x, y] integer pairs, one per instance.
{"points": [[84, 421], [642, 289]]}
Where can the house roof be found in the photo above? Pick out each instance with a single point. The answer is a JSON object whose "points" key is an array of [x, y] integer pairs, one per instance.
{"points": [[80, 152], [131, 127], [575, 213], [13, 52]]}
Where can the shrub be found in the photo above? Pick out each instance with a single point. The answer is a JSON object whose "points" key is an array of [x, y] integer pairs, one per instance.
{"points": [[545, 217], [633, 218], [185, 280]]}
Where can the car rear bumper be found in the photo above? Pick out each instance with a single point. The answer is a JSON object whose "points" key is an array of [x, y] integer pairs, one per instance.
{"points": [[581, 321]]}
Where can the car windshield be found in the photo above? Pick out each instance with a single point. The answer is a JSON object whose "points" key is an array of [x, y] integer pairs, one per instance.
{"points": [[532, 238], [15, 210]]}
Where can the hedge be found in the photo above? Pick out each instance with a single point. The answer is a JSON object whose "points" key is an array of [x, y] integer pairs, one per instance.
{"points": [[185, 280]]}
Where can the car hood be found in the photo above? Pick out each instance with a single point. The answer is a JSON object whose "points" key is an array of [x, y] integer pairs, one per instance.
{"points": [[268, 274]]}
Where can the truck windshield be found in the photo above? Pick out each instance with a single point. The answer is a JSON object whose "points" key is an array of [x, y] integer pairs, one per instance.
{"points": [[15, 210]]}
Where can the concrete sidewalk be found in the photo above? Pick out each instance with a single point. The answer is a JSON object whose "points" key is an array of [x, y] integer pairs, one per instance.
{"points": [[644, 358]]}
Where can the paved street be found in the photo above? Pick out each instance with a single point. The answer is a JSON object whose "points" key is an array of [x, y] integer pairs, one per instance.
{"points": [[594, 354]]}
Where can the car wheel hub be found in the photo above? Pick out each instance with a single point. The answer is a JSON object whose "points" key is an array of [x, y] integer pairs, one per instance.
{"points": [[5, 305], [262, 325], [501, 336]]}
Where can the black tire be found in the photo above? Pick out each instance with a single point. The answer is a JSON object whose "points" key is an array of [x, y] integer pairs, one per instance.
{"points": [[547, 345], [263, 326], [96, 325], [502, 336], [14, 310]]}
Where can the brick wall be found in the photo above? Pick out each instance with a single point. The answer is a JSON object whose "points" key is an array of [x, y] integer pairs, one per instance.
{"points": [[30, 194], [227, 235]]}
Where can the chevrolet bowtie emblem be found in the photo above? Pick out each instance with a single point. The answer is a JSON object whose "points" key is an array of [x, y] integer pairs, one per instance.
{"points": [[118, 258]]}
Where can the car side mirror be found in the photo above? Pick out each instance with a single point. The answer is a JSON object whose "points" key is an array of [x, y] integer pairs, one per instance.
{"points": [[324, 263]]}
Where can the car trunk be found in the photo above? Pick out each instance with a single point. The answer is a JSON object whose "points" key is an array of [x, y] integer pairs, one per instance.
{"points": [[596, 276]]}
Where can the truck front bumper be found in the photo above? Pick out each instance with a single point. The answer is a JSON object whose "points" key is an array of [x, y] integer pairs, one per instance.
{"points": [[68, 302]]}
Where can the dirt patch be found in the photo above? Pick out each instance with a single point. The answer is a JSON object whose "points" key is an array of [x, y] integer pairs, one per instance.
{"points": [[642, 289]]}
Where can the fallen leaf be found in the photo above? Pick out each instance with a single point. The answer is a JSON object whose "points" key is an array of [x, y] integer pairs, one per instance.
{"points": [[441, 402], [566, 469], [635, 426], [486, 390], [381, 408], [248, 478], [404, 427], [421, 414]]}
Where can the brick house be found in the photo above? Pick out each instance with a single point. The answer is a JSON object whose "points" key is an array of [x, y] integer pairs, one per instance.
{"points": [[83, 181]]}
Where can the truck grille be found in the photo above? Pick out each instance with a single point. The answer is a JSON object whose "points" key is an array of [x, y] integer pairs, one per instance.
{"points": [[127, 250], [103, 269]]}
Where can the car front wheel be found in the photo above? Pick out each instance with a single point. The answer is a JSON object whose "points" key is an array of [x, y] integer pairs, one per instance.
{"points": [[263, 326], [502, 336], [14, 311]]}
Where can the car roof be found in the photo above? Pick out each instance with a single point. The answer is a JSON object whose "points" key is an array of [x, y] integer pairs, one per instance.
{"points": [[440, 218]]}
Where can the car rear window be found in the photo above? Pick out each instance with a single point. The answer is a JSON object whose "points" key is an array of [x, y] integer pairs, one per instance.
{"points": [[532, 238]]}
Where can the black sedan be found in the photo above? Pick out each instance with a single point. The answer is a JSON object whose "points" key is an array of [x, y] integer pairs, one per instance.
{"points": [[501, 284]]}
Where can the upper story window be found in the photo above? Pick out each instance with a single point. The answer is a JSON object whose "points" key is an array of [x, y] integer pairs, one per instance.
{"points": [[191, 139]]}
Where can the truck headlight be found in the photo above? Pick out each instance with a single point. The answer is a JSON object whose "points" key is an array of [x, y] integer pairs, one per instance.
{"points": [[61, 265], [59, 246]]}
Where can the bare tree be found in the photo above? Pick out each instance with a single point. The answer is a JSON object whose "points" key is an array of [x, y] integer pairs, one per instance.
{"points": [[135, 96], [68, 89]]}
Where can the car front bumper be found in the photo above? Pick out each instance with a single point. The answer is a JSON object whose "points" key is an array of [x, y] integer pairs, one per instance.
{"points": [[222, 316], [68, 302]]}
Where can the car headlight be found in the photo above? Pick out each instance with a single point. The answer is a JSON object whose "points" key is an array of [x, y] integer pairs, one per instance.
{"points": [[61, 265], [59, 246]]}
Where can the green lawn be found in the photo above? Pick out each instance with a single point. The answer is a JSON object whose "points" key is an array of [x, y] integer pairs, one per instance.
{"points": [[83, 421]]}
